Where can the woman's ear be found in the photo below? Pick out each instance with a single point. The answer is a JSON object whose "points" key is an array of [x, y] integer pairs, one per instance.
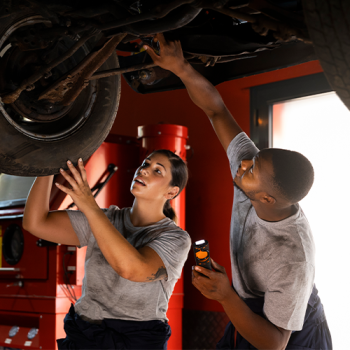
{"points": [[172, 193]]}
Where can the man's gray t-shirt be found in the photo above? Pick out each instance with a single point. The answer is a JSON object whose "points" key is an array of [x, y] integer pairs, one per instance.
{"points": [[105, 294], [274, 260]]}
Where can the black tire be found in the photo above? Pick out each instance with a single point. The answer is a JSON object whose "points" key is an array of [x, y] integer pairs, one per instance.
{"points": [[328, 23], [26, 156]]}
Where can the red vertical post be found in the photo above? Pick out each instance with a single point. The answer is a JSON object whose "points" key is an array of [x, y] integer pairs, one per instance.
{"points": [[173, 138]]}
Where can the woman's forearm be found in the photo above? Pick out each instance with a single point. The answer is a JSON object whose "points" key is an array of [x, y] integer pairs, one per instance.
{"points": [[120, 254], [38, 203]]}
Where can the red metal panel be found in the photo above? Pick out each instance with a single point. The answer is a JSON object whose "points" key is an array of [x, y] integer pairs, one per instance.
{"points": [[33, 263], [173, 138]]}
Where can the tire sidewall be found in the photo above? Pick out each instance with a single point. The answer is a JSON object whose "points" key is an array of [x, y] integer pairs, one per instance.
{"points": [[25, 156]]}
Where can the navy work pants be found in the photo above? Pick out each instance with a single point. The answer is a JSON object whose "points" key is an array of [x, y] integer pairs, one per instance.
{"points": [[315, 334], [113, 334]]}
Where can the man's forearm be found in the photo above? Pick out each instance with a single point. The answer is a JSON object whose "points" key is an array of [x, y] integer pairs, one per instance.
{"points": [[201, 91], [206, 97], [255, 329]]}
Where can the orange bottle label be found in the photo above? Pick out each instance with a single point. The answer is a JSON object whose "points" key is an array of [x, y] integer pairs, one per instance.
{"points": [[201, 255]]}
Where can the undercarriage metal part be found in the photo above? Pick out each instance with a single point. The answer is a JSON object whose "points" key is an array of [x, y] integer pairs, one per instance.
{"points": [[159, 11], [67, 89], [175, 19], [118, 71], [153, 75], [42, 9], [277, 12], [98, 10], [133, 68], [38, 37], [12, 97], [262, 24]]}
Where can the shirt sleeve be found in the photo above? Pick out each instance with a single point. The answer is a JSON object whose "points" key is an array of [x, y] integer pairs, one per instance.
{"points": [[172, 247], [240, 148], [81, 225], [288, 292]]}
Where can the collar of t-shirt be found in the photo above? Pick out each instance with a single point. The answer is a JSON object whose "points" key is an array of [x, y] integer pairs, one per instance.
{"points": [[283, 222], [134, 229]]}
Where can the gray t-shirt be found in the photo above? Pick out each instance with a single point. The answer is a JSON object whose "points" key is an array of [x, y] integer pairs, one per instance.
{"points": [[105, 294], [274, 260]]}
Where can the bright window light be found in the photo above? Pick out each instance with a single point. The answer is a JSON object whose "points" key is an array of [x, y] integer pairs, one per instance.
{"points": [[319, 127]]}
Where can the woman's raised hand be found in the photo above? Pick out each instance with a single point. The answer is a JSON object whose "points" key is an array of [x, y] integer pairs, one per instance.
{"points": [[80, 191]]}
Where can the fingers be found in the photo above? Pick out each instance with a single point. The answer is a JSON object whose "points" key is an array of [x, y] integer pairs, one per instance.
{"points": [[151, 52], [63, 188], [203, 271], [75, 172], [161, 38], [195, 273], [217, 267], [178, 45], [82, 170], [195, 278], [69, 179], [200, 282]]}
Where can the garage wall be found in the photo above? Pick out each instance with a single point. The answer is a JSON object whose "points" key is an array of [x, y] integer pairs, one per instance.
{"points": [[210, 189]]}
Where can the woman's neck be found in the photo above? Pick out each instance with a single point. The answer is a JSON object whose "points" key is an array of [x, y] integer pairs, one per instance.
{"points": [[144, 213]]}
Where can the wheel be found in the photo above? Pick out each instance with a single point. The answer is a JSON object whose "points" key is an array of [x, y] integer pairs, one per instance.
{"points": [[328, 23], [38, 137]]}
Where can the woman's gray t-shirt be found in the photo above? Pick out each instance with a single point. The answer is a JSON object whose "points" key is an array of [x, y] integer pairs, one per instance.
{"points": [[105, 294], [274, 260]]}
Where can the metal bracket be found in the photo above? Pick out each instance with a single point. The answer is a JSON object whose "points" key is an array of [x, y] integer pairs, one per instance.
{"points": [[68, 88], [13, 96]]}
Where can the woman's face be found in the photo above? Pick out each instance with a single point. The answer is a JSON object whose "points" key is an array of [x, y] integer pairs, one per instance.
{"points": [[152, 179]]}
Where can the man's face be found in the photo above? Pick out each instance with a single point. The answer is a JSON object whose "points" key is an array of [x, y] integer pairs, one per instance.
{"points": [[253, 176]]}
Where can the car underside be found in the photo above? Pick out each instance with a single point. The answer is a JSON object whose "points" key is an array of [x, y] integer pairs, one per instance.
{"points": [[59, 66]]}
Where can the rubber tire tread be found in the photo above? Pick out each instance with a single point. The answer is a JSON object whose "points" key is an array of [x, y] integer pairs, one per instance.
{"points": [[23, 156], [328, 23]]}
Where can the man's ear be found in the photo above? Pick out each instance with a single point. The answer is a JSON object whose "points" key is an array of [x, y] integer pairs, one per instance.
{"points": [[173, 192], [267, 199]]}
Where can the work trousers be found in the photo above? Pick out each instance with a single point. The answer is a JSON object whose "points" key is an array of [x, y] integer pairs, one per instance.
{"points": [[315, 334], [113, 334]]}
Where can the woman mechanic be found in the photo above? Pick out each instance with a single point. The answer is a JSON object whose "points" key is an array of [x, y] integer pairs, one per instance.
{"points": [[134, 255]]}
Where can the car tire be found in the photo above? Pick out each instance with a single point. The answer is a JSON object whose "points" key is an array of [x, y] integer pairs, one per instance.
{"points": [[23, 155], [328, 24]]}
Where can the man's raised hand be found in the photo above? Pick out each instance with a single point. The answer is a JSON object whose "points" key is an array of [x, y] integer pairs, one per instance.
{"points": [[170, 56]]}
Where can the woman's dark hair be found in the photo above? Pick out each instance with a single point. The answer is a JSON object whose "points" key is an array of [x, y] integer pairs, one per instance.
{"points": [[179, 174]]}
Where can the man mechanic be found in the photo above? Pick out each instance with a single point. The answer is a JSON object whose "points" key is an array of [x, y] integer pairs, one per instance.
{"points": [[272, 303]]}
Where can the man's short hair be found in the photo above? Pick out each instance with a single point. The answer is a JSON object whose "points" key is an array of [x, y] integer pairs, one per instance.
{"points": [[293, 174]]}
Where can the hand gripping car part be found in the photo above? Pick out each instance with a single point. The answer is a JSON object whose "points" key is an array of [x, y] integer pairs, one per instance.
{"points": [[201, 253]]}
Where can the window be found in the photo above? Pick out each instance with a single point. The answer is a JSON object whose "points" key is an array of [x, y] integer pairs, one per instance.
{"points": [[14, 189]]}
